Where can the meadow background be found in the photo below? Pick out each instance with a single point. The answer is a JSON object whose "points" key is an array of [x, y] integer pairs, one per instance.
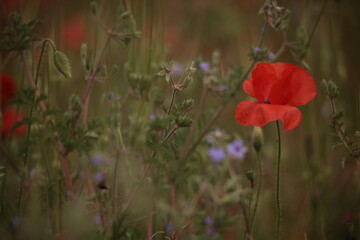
{"points": [[131, 176]]}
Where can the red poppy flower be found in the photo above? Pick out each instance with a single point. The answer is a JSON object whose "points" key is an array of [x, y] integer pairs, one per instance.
{"points": [[7, 87], [279, 89], [73, 33], [9, 118]]}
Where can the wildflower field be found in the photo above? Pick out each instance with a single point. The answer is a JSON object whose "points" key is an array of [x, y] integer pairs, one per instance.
{"points": [[180, 120]]}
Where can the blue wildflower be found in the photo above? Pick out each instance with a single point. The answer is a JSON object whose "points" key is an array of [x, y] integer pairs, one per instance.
{"points": [[96, 160], [204, 66], [111, 96], [170, 228], [152, 116], [257, 50], [216, 154], [177, 69], [222, 88], [211, 231], [99, 177], [209, 221], [98, 219], [237, 149], [263, 31], [271, 56], [16, 222]]}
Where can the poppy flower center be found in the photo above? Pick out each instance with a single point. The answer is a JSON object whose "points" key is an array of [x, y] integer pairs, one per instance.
{"points": [[266, 101]]}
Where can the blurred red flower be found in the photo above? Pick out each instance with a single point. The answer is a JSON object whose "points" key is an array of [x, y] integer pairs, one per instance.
{"points": [[9, 115], [279, 89], [246, 4], [9, 118], [7, 87], [72, 33]]}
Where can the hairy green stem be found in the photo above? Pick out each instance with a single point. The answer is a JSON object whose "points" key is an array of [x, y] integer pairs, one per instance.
{"points": [[314, 28], [28, 133], [278, 200], [91, 80], [172, 100], [197, 117], [258, 190]]}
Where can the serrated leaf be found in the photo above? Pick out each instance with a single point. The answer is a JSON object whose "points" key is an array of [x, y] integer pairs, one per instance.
{"points": [[92, 134], [343, 160], [338, 144]]}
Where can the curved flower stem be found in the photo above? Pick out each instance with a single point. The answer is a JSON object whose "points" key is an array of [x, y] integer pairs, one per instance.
{"points": [[278, 200], [316, 24], [258, 190]]}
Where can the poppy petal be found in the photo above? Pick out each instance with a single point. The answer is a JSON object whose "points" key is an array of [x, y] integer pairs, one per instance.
{"points": [[259, 114], [263, 78], [8, 88], [248, 88], [294, 87], [9, 118]]}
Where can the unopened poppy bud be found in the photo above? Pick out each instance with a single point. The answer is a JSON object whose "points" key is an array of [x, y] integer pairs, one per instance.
{"points": [[76, 103], [349, 230], [330, 88], [62, 64], [125, 15], [251, 176], [186, 82], [94, 7], [83, 51], [258, 138], [333, 89], [103, 70], [216, 57]]}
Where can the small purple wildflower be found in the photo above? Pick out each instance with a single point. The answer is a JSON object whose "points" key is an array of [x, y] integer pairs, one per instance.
{"points": [[99, 177], [152, 116], [177, 69], [271, 56], [170, 228], [109, 222], [211, 231], [222, 88], [263, 31], [111, 96], [237, 149], [16, 222], [216, 154], [209, 221], [98, 219], [204, 66], [257, 50], [96, 160], [33, 172]]}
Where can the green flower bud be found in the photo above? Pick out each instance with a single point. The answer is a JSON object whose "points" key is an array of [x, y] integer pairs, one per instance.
{"points": [[330, 88], [216, 57], [258, 138], [251, 176], [183, 121], [94, 7], [62, 64], [76, 104]]}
